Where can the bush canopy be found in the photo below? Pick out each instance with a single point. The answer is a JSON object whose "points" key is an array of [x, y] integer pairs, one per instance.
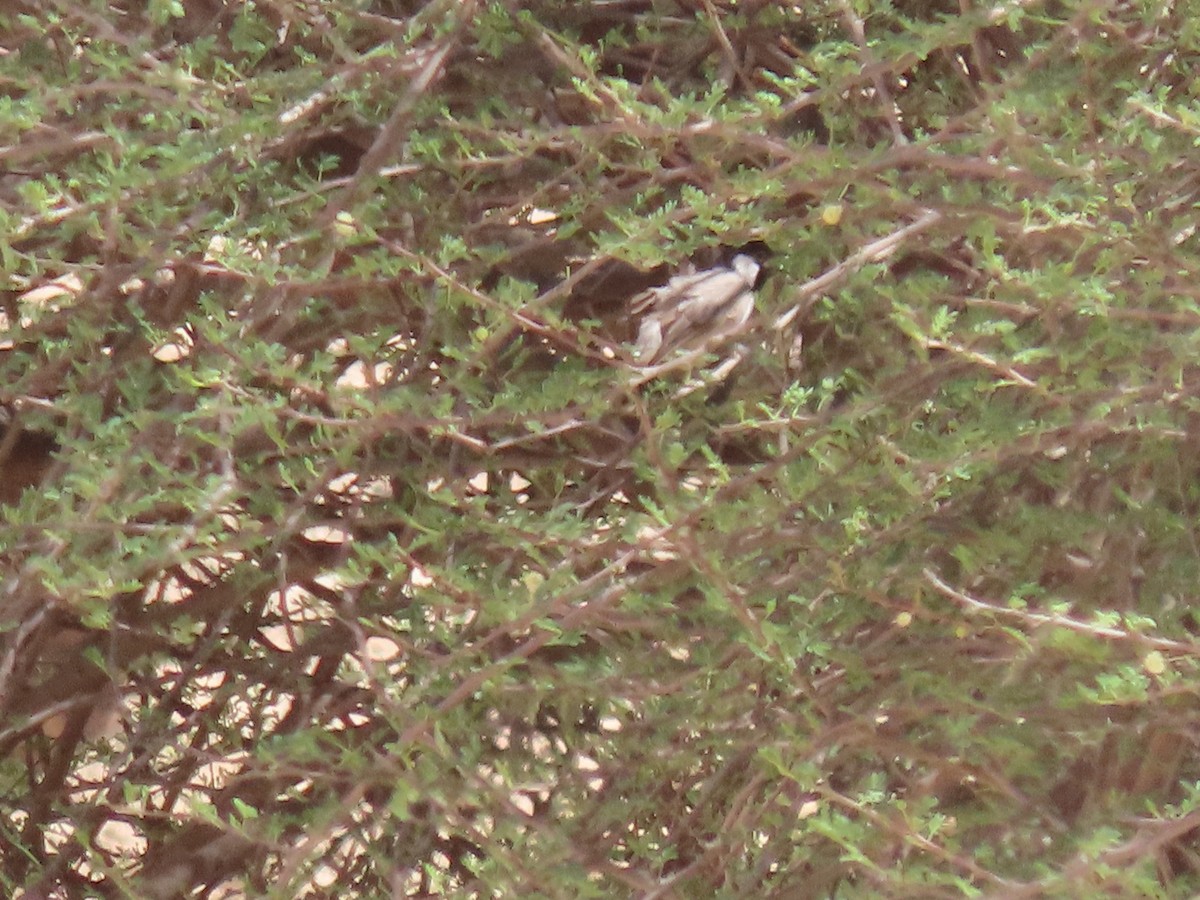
{"points": [[349, 548]]}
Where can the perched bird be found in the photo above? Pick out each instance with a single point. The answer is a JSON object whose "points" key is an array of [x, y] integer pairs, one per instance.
{"points": [[695, 312]]}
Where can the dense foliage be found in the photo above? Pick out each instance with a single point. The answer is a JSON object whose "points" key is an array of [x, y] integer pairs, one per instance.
{"points": [[347, 549]]}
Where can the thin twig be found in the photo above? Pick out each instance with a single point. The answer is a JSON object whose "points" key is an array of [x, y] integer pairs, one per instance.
{"points": [[868, 253], [393, 132], [854, 23], [1040, 619]]}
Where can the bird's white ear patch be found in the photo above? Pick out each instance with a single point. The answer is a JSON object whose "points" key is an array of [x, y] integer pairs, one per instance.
{"points": [[746, 266]]}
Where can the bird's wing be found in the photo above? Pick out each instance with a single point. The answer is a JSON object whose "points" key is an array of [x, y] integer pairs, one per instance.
{"points": [[707, 297], [666, 295]]}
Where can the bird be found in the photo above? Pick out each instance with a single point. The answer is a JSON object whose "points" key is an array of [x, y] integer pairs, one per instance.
{"points": [[693, 313]]}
